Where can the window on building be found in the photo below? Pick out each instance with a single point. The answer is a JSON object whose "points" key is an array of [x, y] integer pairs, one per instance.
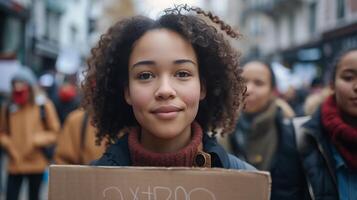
{"points": [[52, 25], [255, 26], [340, 9], [74, 32], [291, 20], [11, 34], [2, 24], [312, 17], [92, 25]]}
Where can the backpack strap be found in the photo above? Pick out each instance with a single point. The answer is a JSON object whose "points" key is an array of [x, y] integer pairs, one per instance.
{"points": [[83, 137], [43, 116], [7, 118]]}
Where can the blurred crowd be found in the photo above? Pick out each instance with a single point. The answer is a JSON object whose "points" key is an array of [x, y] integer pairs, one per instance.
{"points": [[296, 123], [42, 123]]}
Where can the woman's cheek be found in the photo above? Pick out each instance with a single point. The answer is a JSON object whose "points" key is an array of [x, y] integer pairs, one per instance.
{"points": [[191, 99], [140, 97]]}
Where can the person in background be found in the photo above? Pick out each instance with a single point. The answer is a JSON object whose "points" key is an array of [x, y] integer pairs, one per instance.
{"points": [[328, 141], [262, 136], [76, 143], [68, 100], [28, 124], [168, 82]]}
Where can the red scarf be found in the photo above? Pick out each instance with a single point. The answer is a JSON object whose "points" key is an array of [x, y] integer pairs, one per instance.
{"points": [[183, 158], [342, 135]]}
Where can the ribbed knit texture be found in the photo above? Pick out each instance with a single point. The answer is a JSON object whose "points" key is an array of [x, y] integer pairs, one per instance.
{"points": [[342, 135], [183, 158]]}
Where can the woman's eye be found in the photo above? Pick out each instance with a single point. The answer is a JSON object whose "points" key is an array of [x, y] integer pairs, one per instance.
{"points": [[183, 74], [259, 83], [347, 78], [145, 76]]}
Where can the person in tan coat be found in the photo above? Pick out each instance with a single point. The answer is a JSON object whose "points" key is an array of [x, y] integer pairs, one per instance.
{"points": [[28, 124], [76, 143]]}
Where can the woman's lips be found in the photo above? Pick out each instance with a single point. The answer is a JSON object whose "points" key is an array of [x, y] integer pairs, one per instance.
{"points": [[166, 112]]}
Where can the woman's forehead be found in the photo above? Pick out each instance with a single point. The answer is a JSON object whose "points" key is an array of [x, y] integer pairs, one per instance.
{"points": [[349, 61], [162, 44], [257, 69]]}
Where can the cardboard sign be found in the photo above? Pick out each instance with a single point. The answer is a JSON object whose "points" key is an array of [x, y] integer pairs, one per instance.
{"points": [[151, 183]]}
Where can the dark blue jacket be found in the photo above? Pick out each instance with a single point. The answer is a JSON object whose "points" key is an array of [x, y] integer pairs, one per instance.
{"points": [[286, 170], [317, 160], [118, 155]]}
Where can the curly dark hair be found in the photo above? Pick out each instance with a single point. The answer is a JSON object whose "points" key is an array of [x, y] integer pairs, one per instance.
{"points": [[107, 73]]}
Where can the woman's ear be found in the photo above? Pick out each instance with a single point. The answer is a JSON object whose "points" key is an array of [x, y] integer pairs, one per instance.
{"points": [[332, 87], [203, 90], [127, 95]]}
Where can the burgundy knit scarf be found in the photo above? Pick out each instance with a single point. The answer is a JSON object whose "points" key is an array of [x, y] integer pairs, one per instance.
{"points": [[183, 158], [342, 135]]}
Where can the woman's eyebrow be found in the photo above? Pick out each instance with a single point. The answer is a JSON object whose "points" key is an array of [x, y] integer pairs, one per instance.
{"points": [[181, 61], [151, 62], [144, 62]]}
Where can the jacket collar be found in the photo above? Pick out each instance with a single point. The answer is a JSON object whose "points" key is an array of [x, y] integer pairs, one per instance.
{"points": [[315, 129], [119, 154], [219, 155], [314, 125]]}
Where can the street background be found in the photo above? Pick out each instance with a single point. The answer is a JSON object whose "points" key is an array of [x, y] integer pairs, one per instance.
{"points": [[299, 38]]}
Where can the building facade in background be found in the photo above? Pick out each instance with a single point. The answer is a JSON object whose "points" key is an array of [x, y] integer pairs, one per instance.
{"points": [[47, 34], [13, 20], [299, 30]]}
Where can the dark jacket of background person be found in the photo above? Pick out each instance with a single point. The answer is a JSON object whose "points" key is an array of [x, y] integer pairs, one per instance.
{"points": [[27, 135], [317, 160], [72, 146], [284, 165], [67, 101], [118, 155]]}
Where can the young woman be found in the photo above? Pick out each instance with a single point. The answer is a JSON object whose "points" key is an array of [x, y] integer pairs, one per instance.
{"points": [[167, 82], [263, 136], [28, 123], [328, 141]]}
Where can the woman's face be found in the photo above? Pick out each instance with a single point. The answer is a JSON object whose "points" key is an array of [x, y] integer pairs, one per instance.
{"points": [[259, 90], [20, 92], [345, 86], [164, 85]]}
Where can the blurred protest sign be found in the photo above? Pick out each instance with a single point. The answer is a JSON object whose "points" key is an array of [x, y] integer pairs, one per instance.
{"points": [[68, 61]]}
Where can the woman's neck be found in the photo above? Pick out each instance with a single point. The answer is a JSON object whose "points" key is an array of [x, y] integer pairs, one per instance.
{"points": [[160, 145], [251, 115]]}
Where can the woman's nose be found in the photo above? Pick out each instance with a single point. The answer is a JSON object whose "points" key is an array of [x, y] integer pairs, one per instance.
{"points": [[355, 86], [249, 87], [165, 89]]}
